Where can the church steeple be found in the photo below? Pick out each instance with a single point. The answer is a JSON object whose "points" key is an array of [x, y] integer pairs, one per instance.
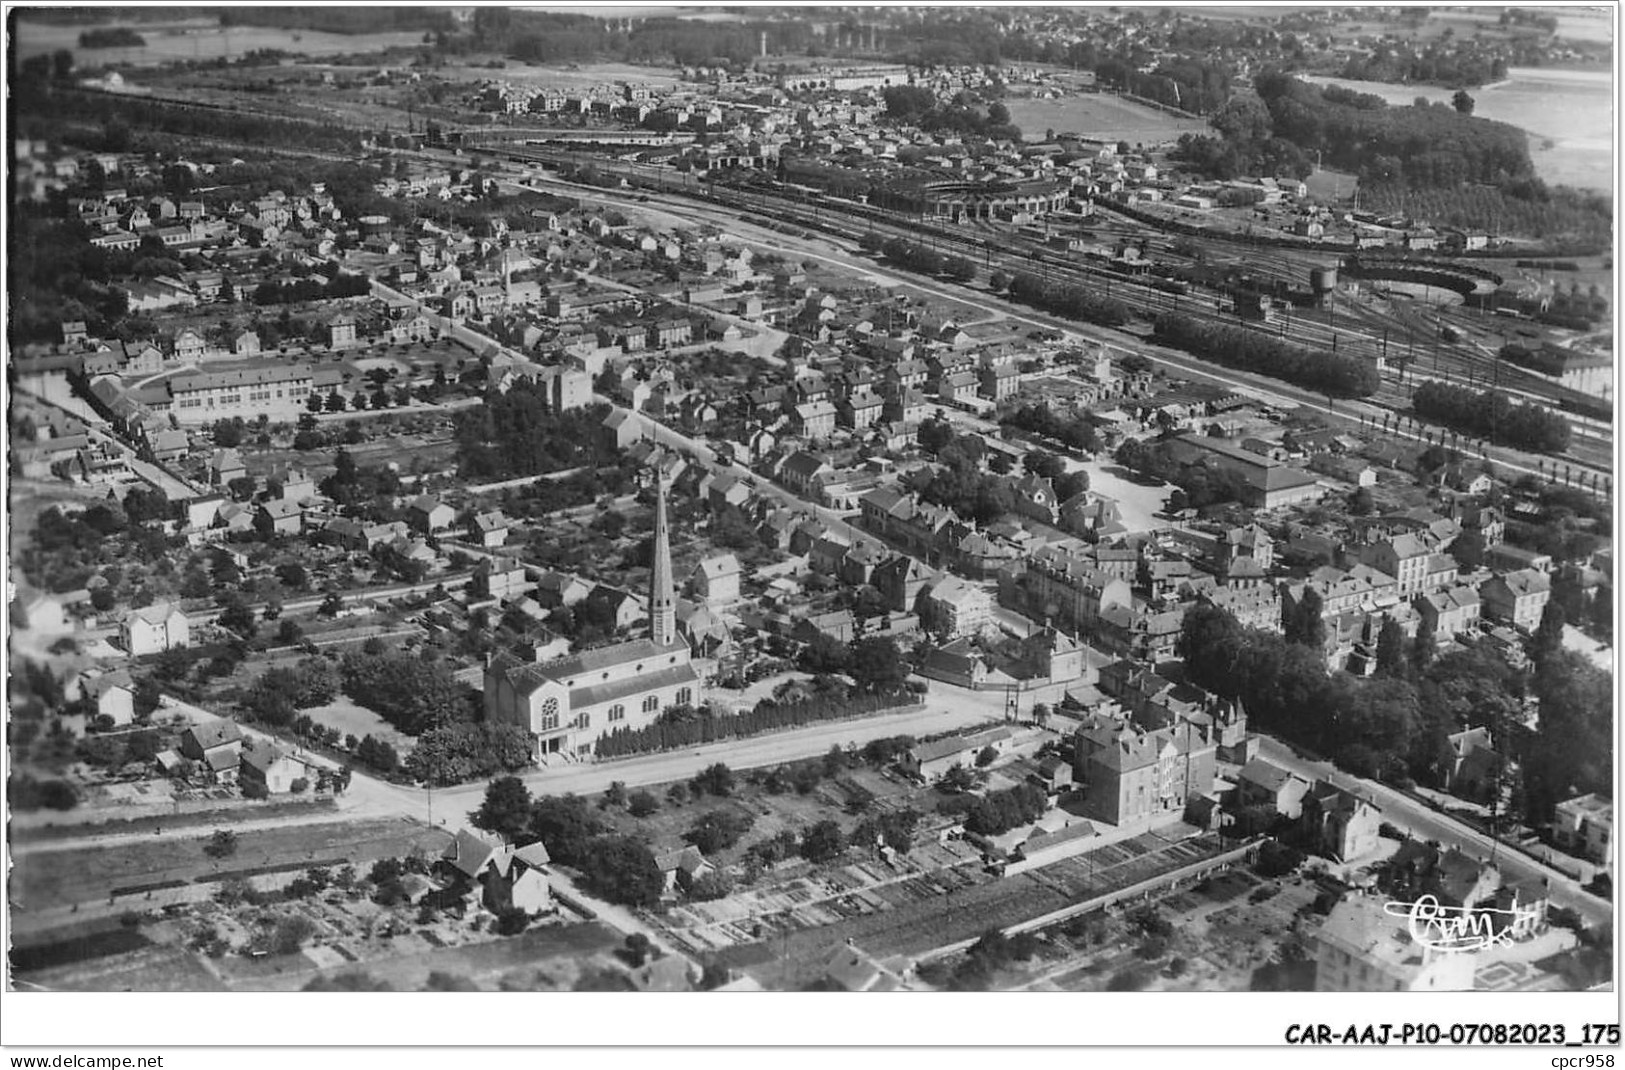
{"points": [[662, 594]]}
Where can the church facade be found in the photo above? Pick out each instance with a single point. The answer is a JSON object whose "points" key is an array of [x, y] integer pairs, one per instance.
{"points": [[569, 704]]}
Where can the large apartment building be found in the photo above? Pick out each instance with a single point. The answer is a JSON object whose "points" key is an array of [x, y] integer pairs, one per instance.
{"points": [[280, 392]]}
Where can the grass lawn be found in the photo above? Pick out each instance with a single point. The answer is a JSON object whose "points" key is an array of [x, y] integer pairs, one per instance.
{"points": [[361, 722], [153, 969], [50, 878], [1328, 185], [1101, 116]]}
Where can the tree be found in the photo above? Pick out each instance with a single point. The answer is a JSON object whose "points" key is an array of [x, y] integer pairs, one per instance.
{"points": [[292, 575], [877, 665], [331, 606], [1044, 465], [642, 804], [985, 757], [222, 844], [567, 825], [1391, 649], [957, 779], [1462, 102], [823, 842], [454, 752], [934, 435], [621, 870], [715, 779], [718, 830], [638, 948], [235, 616], [511, 921], [506, 809], [1548, 638], [1305, 625], [1424, 646]]}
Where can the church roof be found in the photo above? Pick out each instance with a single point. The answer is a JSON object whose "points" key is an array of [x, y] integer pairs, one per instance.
{"points": [[604, 658], [641, 683]]}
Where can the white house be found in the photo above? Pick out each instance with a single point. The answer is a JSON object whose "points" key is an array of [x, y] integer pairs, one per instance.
{"points": [[716, 579], [156, 628]]}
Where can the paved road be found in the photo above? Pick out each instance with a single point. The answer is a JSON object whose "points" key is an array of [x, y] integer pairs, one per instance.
{"points": [[1426, 824], [589, 779]]}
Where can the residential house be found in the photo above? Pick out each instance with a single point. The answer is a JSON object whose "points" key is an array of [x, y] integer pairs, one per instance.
{"points": [[1584, 825], [1519, 598], [488, 530], [267, 763], [556, 590], [929, 761], [279, 517], [1338, 823], [957, 664], [681, 866], [814, 420], [716, 579], [1469, 764], [1265, 784], [154, 629], [900, 580], [1404, 557], [1451, 612], [213, 743], [500, 577], [112, 692], [510, 878], [620, 429], [801, 471], [1363, 947], [225, 466], [428, 514], [1131, 776], [955, 609]]}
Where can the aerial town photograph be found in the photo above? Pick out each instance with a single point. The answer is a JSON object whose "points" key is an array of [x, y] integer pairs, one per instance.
{"points": [[810, 499]]}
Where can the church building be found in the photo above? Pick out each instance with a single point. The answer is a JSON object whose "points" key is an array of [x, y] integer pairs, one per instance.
{"points": [[567, 705]]}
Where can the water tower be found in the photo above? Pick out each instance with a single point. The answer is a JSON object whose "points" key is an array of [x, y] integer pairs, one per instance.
{"points": [[1322, 283]]}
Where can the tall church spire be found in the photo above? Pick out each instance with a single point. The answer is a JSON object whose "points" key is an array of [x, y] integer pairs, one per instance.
{"points": [[662, 595]]}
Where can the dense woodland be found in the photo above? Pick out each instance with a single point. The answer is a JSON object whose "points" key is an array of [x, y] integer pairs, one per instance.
{"points": [[1254, 351], [1431, 65], [1433, 161], [1070, 300], [926, 260], [518, 434], [1394, 724], [918, 106], [1492, 415]]}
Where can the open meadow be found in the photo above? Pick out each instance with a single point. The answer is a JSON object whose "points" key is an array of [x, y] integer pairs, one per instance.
{"points": [[1099, 115]]}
